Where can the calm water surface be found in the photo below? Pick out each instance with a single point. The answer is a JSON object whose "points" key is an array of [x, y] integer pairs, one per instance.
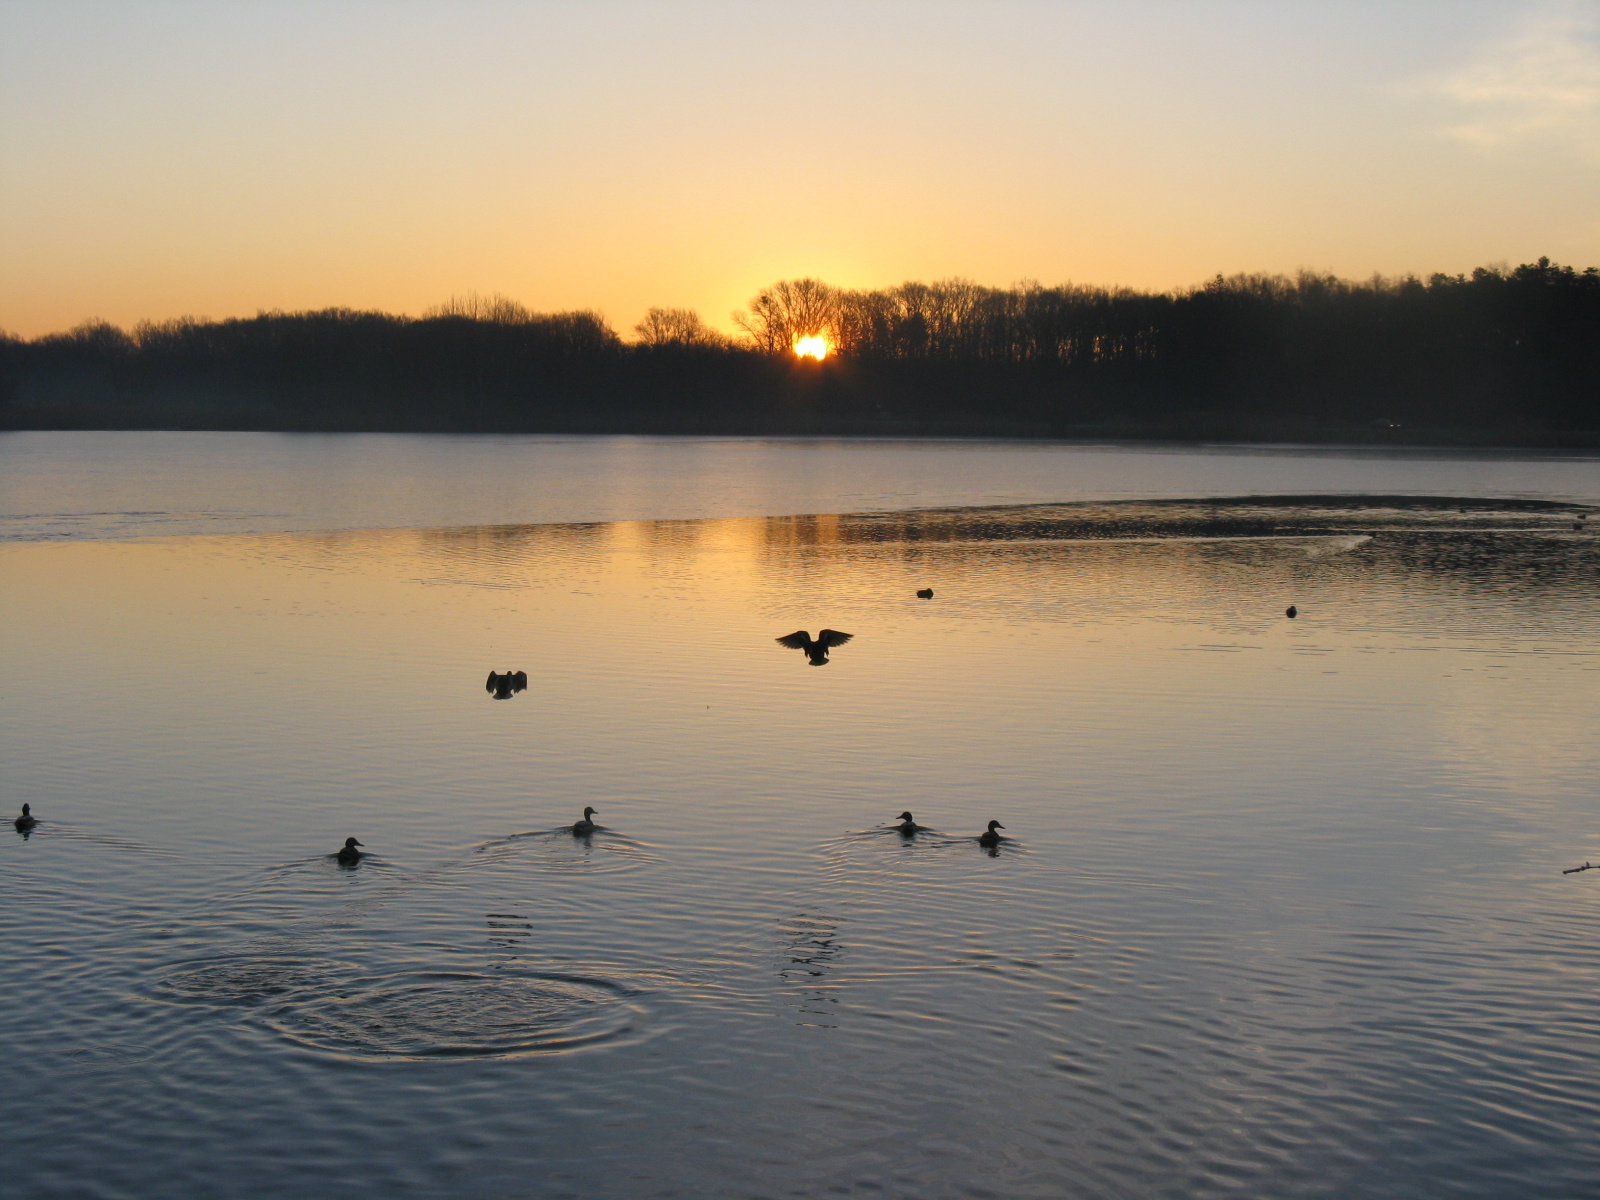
{"points": [[96, 485], [1281, 913]]}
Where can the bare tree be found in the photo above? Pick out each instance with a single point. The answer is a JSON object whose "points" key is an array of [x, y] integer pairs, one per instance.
{"points": [[496, 308], [677, 327], [791, 310]]}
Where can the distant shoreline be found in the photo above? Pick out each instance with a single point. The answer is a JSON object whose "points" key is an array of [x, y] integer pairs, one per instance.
{"points": [[1198, 430], [1503, 358]]}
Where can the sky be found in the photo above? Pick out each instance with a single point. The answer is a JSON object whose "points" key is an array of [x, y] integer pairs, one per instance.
{"points": [[217, 159]]}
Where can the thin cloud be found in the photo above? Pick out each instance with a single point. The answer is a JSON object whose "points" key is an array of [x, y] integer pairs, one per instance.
{"points": [[1542, 83]]}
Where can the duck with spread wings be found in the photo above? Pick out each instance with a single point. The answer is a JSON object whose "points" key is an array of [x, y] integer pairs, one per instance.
{"points": [[502, 686], [816, 650]]}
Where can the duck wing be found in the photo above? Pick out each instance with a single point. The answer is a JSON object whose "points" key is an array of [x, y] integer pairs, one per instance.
{"points": [[494, 678], [520, 681], [798, 640], [832, 637]]}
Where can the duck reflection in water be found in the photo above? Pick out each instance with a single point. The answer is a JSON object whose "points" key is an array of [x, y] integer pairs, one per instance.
{"points": [[26, 822], [812, 949], [348, 855], [816, 651], [502, 686]]}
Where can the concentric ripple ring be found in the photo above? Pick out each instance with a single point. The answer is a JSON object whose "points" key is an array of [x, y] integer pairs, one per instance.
{"points": [[440, 1014], [245, 980]]}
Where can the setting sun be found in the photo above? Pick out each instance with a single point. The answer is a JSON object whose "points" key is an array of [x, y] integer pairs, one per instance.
{"points": [[815, 347]]}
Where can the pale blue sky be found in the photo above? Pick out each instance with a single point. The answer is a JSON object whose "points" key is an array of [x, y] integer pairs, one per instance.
{"points": [[159, 159]]}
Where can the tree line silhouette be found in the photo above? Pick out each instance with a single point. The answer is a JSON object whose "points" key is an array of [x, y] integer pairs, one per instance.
{"points": [[1496, 356]]}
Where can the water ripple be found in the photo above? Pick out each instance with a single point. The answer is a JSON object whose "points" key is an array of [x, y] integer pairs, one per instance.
{"points": [[245, 980], [447, 1014], [559, 850]]}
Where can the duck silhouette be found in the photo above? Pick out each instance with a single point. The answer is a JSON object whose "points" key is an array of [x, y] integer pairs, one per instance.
{"points": [[586, 826], [26, 821], [1291, 612], [908, 825], [816, 651], [348, 855], [989, 838], [505, 685], [925, 594]]}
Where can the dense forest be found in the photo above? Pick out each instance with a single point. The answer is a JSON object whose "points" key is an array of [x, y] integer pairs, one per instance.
{"points": [[1500, 356]]}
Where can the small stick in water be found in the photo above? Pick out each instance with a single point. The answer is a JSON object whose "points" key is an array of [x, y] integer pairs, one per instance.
{"points": [[1572, 870]]}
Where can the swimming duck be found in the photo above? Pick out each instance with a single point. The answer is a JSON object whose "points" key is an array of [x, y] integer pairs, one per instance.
{"points": [[26, 821], [816, 651], [907, 825], [991, 838], [586, 826], [1291, 612], [925, 594], [348, 854]]}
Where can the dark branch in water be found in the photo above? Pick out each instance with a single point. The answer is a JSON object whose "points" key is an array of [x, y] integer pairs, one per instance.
{"points": [[1574, 870]]}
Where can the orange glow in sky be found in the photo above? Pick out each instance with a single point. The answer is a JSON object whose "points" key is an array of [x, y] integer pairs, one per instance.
{"points": [[168, 159]]}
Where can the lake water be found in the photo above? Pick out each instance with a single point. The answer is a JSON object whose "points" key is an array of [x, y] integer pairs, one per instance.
{"points": [[1280, 912], [99, 485]]}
